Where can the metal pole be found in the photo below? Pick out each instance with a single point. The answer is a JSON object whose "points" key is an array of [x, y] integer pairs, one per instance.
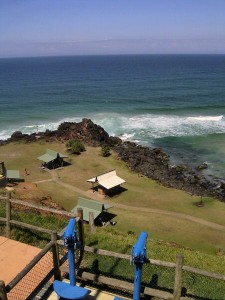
{"points": [[70, 238], [139, 257], [71, 257], [137, 281]]}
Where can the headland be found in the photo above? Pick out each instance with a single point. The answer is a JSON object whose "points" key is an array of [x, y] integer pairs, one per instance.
{"points": [[151, 162]]}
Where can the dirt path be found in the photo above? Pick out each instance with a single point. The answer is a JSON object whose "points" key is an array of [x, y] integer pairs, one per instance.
{"points": [[95, 196]]}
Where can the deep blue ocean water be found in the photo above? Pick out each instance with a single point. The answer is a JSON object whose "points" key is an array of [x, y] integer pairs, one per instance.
{"points": [[176, 102]]}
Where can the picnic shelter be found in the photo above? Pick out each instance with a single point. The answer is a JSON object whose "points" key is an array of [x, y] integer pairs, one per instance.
{"points": [[99, 209], [106, 182], [8, 175], [52, 159]]}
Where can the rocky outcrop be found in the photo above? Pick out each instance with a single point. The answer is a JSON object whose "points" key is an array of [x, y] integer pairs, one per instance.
{"points": [[154, 163], [86, 131]]}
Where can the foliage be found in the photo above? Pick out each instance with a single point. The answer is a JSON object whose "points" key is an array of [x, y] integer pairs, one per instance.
{"points": [[105, 150], [75, 146]]}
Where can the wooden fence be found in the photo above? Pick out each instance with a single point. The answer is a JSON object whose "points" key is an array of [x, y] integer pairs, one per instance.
{"points": [[53, 246]]}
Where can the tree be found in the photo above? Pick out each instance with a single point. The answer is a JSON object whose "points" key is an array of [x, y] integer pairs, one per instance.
{"points": [[75, 146], [105, 151]]}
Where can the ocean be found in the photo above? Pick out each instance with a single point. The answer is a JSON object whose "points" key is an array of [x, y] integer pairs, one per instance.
{"points": [[176, 102]]}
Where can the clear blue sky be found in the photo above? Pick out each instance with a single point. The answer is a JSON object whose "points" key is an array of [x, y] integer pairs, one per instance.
{"points": [[71, 27]]}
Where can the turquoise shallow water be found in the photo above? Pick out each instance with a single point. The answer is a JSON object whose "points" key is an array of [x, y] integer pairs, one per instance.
{"points": [[173, 101]]}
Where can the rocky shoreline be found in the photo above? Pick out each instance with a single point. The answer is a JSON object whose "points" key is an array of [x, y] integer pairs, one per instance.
{"points": [[153, 163]]}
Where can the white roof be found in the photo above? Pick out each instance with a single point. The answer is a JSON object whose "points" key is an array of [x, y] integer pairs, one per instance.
{"points": [[108, 180]]}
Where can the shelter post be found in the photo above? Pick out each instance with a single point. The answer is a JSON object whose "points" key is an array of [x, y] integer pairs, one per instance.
{"points": [[80, 226], [92, 222]]}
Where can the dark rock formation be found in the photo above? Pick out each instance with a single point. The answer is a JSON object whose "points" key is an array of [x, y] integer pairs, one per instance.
{"points": [[19, 136], [86, 131], [154, 163]]}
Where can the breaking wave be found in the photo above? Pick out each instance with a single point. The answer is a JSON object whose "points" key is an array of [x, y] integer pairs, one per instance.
{"points": [[141, 128], [206, 118], [150, 126]]}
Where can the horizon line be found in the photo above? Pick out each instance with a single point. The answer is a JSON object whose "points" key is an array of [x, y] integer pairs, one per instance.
{"points": [[116, 54]]}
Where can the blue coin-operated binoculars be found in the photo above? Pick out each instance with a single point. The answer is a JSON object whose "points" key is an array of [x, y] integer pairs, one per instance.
{"points": [[139, 257], [70, 290]]}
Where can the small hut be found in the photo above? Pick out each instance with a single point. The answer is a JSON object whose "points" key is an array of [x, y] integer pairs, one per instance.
{"points": [[52, 159]]}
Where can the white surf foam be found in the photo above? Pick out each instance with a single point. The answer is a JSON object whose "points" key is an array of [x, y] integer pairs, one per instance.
{"points": [[31, 128], [143, 128], [149, 126], [5, 134], [126, 136], [207, 118]]}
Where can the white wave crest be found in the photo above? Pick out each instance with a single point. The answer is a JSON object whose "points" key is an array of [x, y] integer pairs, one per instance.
{"points": [[149, 126], [126, 136], [206, 118]]}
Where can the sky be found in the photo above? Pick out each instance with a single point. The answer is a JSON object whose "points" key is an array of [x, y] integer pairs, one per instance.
{"points": [[95, 27]]}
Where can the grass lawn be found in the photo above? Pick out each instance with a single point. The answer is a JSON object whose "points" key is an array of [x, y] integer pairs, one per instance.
{"points": [[141, 192], [169, 229]]}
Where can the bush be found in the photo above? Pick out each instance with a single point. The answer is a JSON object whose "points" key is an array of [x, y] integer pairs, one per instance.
{"points": [[105, 151], [75, 146]]}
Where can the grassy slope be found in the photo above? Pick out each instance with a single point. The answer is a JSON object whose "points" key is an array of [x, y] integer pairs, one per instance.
{"points": [[140, 191]]}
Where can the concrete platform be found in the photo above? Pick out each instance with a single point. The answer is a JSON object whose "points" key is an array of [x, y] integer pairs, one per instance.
{"points": [[94, 295], [14, 256]]}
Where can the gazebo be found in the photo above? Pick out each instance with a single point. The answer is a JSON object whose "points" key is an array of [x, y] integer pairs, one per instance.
{"points": [[52, 159], [107, 181]]}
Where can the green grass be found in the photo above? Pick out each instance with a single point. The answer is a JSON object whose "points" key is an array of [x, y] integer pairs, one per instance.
{"points": [[32, 217], [155, 276], [170, 229], [63, 197], [141, 192], [119, 240]]}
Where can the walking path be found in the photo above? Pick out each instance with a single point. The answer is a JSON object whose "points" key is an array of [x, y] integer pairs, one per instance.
{"points": [[95, 196]]}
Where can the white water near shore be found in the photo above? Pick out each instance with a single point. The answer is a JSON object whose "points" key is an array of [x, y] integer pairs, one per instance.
{"points": [[143, 127]]}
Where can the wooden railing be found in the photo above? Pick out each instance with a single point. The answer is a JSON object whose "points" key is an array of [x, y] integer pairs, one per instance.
{"points": [[52, 245]]}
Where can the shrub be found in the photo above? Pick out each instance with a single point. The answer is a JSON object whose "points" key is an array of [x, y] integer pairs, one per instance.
{"points": [[105, 151], [75, 146]]}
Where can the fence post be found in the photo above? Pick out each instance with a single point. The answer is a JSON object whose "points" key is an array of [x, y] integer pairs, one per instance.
{"points": [[178, 277], [91, 222], [55, 255], [8, 214], [80, 226], [3, 295], [80, 235]]}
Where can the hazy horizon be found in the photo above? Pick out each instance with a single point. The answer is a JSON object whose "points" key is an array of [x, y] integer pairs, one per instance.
{"points": [[58, 28]]}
